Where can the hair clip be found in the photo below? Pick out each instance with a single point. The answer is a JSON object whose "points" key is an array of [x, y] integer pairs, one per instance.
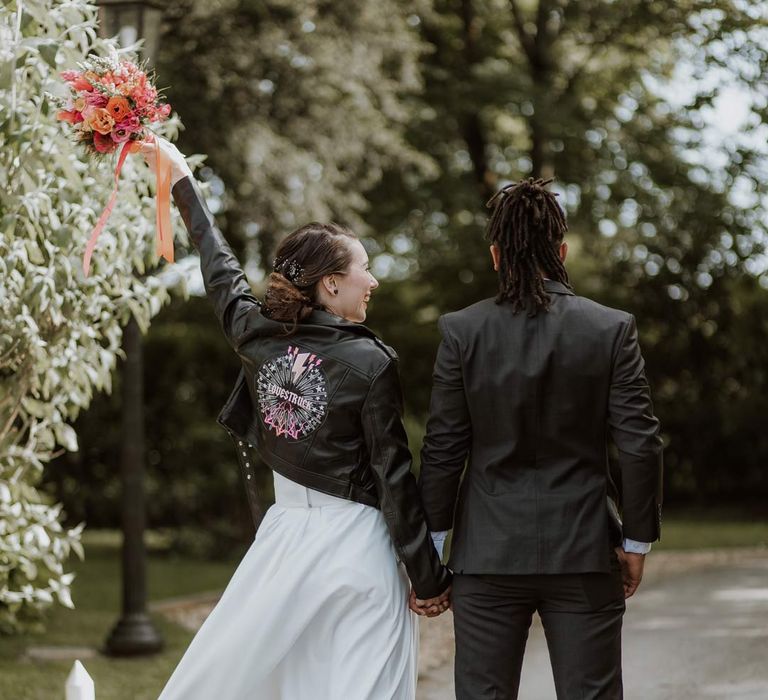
{"points": [[290, 269]]}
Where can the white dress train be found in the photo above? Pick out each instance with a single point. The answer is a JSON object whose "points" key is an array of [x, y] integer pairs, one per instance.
{"points": [[316, 610]]}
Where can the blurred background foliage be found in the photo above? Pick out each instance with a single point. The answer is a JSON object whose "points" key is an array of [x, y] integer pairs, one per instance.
{"points": [[401, 119]]}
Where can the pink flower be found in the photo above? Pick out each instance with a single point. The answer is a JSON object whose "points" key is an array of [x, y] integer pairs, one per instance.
{"points": [[76, 80], [144, 96], [130, 124], [157, 113], [120, 135], [96, 99], [123, 131]]}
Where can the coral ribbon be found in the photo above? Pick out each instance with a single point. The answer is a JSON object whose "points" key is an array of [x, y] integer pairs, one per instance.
{"points": [[128, 147], [164, 244]]}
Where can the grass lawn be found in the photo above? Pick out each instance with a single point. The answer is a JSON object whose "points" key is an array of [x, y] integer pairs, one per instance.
{"points": [[701, 530], [96, 593]]}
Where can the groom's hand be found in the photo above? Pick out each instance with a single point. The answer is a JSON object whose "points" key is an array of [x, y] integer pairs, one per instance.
{"points": [[431, 607], [631, 570]]}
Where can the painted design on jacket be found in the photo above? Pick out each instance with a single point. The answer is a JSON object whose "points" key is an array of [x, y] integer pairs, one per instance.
{"points": [[292, 394]]}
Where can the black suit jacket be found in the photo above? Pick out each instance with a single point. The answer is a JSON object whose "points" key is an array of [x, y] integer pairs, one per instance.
{"points": [[532, 402]]}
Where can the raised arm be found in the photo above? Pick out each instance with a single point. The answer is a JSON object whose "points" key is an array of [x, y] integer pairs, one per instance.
{"points": [[225, 281], [399, 499]]}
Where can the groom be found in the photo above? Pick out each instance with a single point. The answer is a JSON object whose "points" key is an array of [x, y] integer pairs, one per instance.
{"points": [[529, 387]]}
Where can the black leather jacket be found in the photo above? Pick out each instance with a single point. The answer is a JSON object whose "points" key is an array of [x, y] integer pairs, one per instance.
{"points": [[321, 406]]}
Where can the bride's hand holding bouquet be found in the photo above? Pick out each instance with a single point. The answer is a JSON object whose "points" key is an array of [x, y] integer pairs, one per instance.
{"points": [[152, 145]]}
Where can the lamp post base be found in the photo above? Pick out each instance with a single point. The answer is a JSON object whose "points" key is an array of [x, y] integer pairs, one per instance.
{"points": [[133, 635]]}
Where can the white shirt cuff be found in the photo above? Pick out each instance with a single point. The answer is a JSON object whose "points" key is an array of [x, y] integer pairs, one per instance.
{"points": [[438, 539], [635, 547]]}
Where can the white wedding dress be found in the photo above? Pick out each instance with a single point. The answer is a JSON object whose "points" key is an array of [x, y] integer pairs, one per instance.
{"points": [[317, 610]]}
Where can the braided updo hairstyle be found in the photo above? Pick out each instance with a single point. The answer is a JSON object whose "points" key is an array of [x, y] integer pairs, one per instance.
{"points": [[303, 258], [528, 227]]}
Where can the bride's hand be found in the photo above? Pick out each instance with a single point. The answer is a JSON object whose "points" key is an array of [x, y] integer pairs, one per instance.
{"points": [[179, 167], [431, 607]]}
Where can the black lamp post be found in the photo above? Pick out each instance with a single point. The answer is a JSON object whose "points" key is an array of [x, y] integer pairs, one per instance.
{"points": [[134, 633]]}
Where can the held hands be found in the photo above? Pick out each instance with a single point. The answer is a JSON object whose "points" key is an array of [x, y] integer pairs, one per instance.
{"points": [[179, 167], [631, 570], [432, 607]]}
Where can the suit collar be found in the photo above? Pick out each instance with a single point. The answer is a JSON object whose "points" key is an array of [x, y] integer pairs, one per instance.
{"points": [[554, 287]]}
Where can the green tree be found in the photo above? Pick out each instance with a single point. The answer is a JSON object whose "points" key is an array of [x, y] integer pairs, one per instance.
{"points": [[664, 221], [300, 106], [59, 333]]}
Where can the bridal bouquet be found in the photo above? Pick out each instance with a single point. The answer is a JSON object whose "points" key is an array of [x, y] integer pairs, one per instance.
{"points": [[111, 105]]}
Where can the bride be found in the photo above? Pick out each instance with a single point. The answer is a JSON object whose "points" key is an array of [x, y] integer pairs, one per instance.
{"points": [[319, 606]]}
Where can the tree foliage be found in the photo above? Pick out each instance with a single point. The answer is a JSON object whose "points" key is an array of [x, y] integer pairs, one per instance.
{"points": [[60, 334], [192, 480], [300, 106], [667, 219]]}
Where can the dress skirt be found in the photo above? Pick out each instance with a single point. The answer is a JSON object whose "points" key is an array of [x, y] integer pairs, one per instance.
{"points": [[316, 610]]}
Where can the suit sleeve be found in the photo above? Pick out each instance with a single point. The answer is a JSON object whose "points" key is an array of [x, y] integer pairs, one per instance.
{"points": [[448, 438], [635, 432], [225, 281], [396, 485]]}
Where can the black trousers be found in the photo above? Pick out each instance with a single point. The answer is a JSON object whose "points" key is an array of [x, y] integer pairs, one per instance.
{"points": [[581, 614]]}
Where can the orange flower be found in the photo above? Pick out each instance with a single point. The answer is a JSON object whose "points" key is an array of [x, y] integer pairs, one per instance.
{"points": [[118, 108], [100, 120]]}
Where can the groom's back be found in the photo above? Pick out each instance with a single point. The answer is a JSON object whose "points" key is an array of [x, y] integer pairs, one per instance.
{"points": [[537, 389], [536, 386]]}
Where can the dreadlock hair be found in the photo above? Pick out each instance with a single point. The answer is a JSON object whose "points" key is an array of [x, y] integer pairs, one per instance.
{"points": [[527, 225]]}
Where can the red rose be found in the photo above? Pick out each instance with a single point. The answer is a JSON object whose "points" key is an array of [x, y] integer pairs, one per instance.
{"points": [[103, 143]]}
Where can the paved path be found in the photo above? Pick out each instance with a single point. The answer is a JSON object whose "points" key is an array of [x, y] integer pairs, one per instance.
{"points": [[698, 629]]}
